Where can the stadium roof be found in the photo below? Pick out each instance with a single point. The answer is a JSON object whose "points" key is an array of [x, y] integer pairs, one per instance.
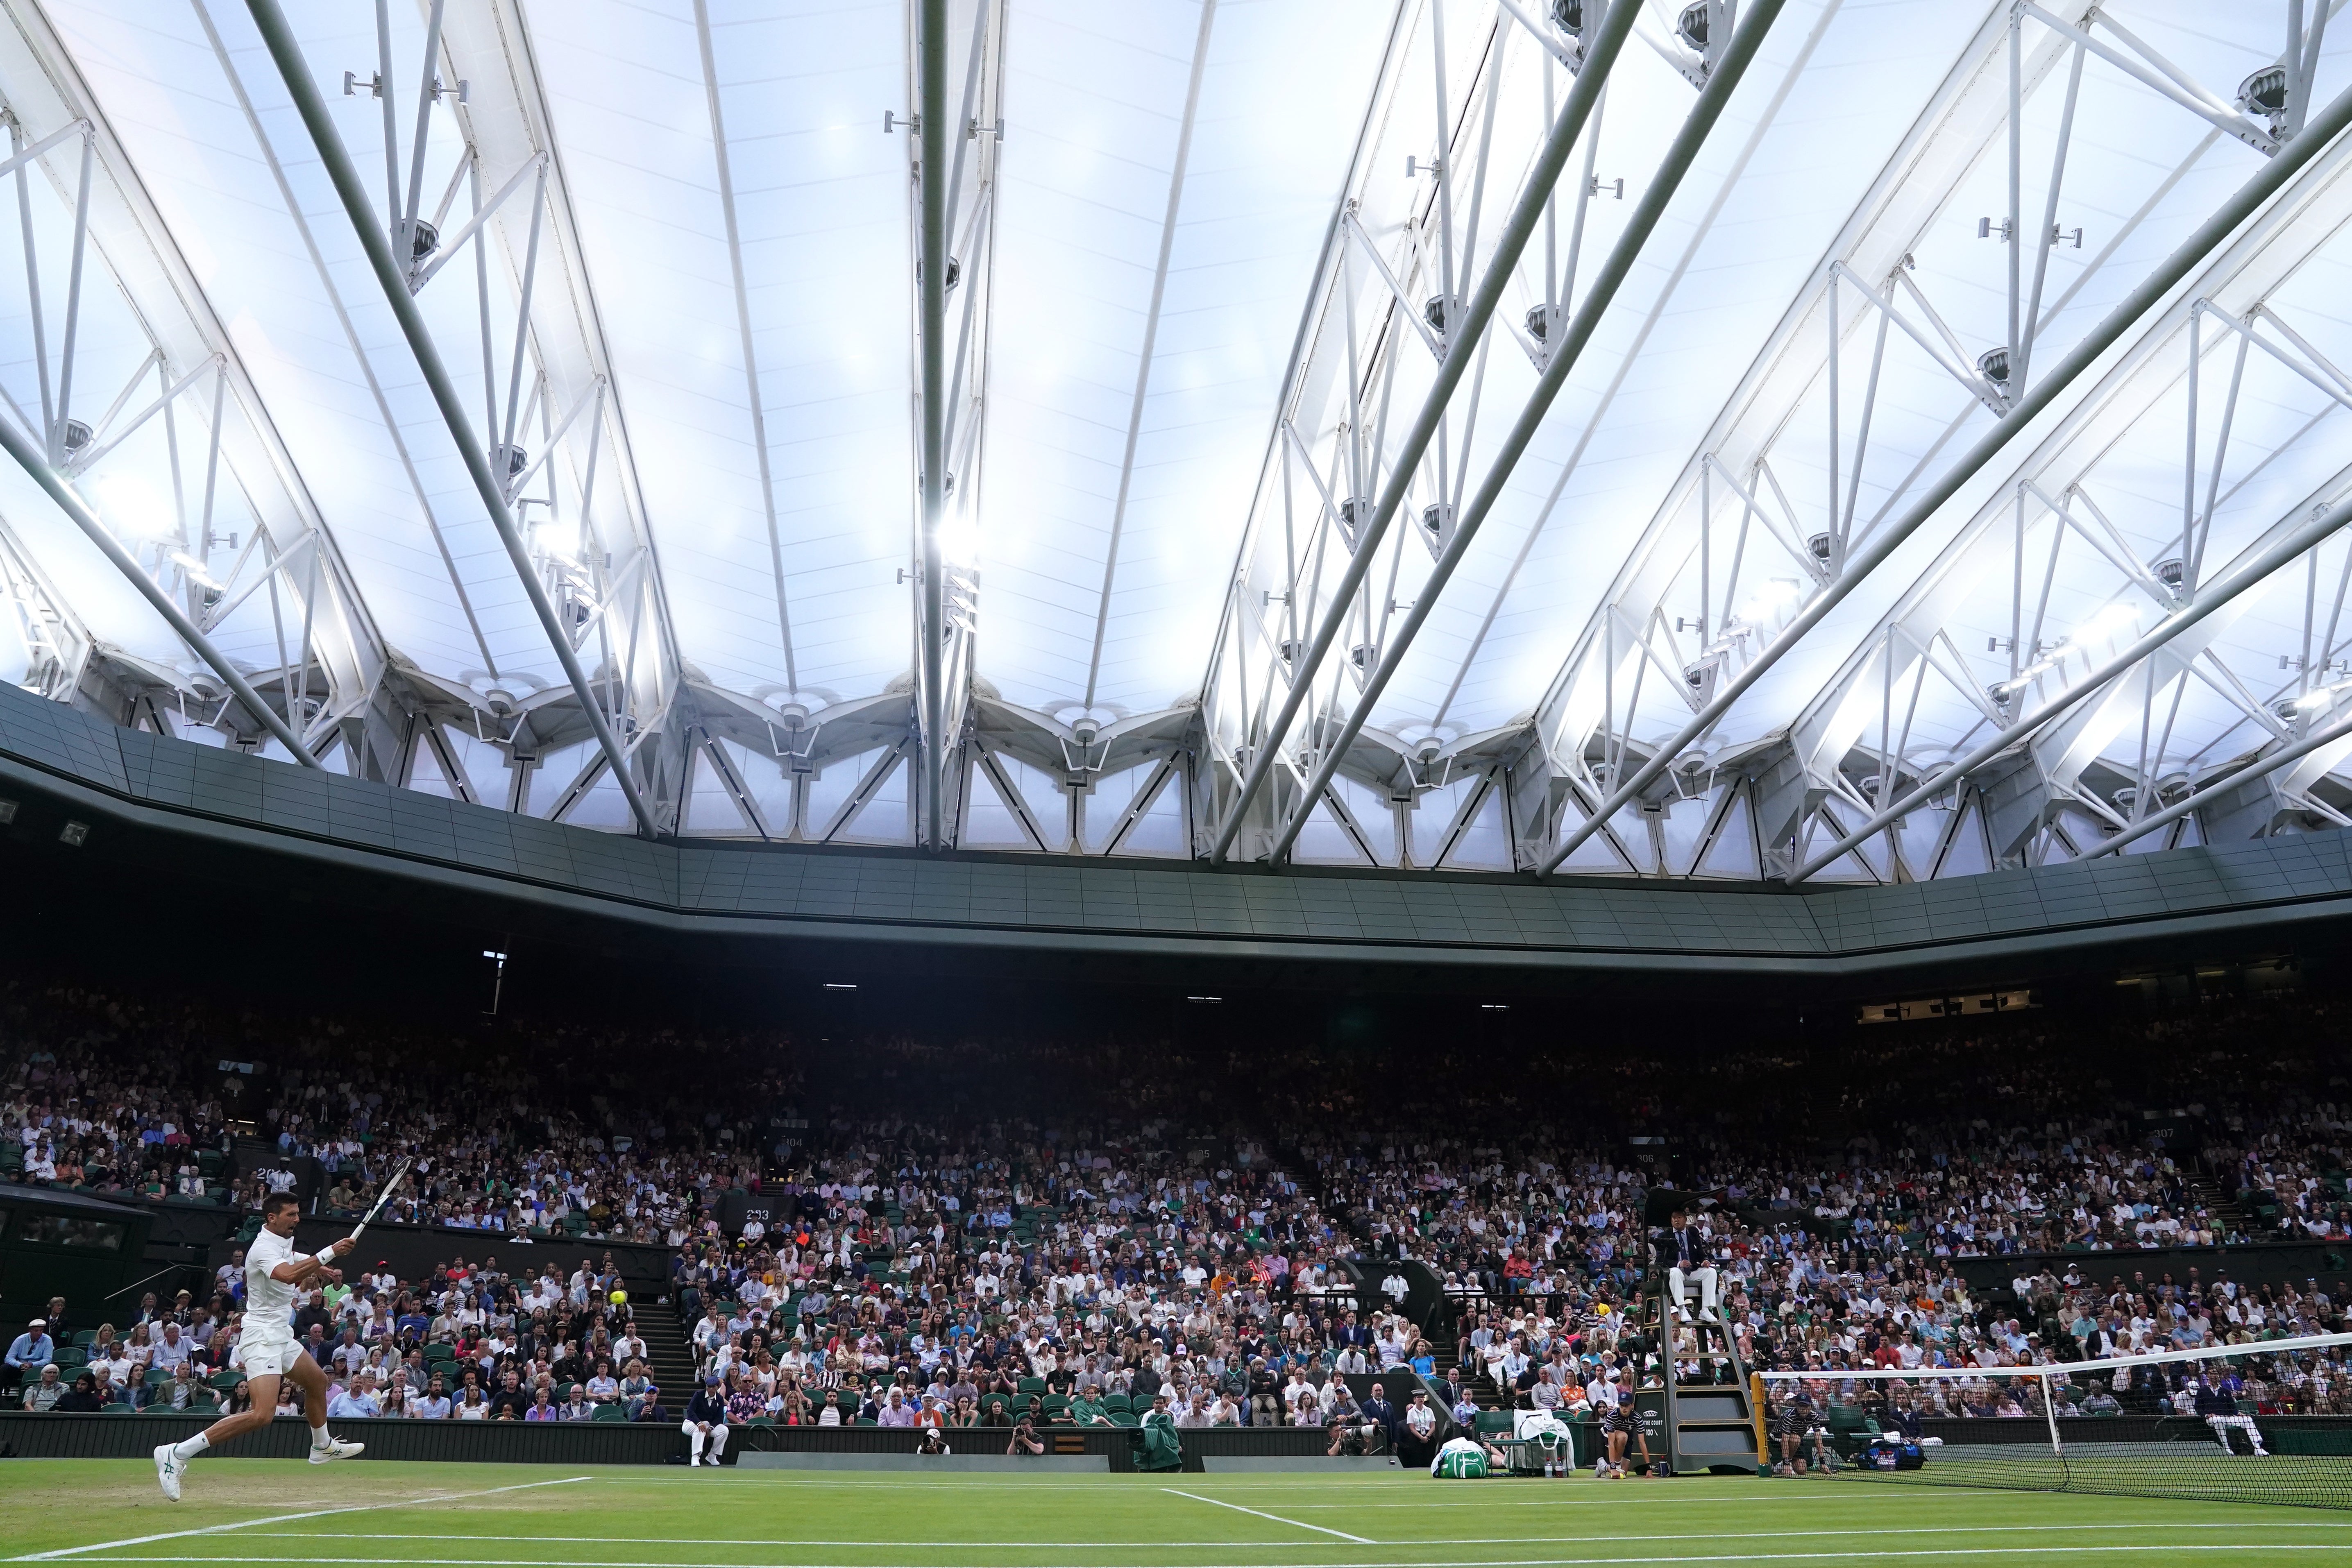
{"points": [[1816, 439]]}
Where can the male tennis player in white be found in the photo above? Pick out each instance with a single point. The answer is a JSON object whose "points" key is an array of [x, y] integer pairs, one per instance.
{"points": [[274, 1274]]}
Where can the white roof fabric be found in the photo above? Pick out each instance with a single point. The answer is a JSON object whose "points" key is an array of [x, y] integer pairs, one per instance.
{"points": [[1176, 229]]}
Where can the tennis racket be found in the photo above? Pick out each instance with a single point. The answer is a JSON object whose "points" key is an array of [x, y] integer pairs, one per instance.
{"points": [[385, 1196]]}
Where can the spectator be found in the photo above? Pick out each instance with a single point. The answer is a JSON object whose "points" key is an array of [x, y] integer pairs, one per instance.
{"points": [[28, 1353], [434, 1404], [82, 1398], [357, 1401], [44, 1392], [511, 1401]]}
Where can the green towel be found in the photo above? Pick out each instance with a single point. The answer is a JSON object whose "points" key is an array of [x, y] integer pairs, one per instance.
{"points": [[1157, 1445]]}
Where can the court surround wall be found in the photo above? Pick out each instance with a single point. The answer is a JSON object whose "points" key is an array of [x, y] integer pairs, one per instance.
{"points": [[102, 773]]}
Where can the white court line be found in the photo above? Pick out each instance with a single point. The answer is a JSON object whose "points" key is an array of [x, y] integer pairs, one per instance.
{"points": [[1858, 1553], [1293, 1523], [2239, 1526], [284, 1519], [1376, 1482]]}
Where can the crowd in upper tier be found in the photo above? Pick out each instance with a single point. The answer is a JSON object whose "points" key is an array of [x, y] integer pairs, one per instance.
{"points": [[944, 1232]]}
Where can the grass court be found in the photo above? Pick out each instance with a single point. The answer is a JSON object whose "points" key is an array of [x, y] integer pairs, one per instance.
{"points": [[251, 1512]]}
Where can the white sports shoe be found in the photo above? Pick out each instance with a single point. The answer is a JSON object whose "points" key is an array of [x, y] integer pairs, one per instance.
{"points": [[337, 1448], [167, 1472]]}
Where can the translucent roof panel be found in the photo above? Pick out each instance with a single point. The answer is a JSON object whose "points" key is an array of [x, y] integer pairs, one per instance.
{"points": [[1096, 107], [1210, 262]]}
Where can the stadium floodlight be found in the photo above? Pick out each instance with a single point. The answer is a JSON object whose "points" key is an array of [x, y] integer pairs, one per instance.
{"points": [[2223, 1423], [839, 986]]}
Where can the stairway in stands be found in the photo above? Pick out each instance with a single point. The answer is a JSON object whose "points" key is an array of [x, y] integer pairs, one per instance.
{"points": [[669, 1356], [1473, 1380], [2228, 1214]]}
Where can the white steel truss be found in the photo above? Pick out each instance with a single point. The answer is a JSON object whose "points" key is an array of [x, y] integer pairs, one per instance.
{"points": [[181, 465], [1468, 97], [550, 423], [1743, 548], [1931, 592]]}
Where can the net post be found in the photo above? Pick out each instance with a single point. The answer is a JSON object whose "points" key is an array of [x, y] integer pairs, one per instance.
{"points": [[2057, 1445], [2050, 1412], [1756, 1413]]}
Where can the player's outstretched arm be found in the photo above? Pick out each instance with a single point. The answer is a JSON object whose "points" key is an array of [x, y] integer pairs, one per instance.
{"points": [[297, 1270]]}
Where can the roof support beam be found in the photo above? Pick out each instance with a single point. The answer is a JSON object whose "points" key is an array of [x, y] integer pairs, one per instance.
{"points": [[2249, 573], [2210, 236], [287, 52], [58, 643], [1721, 82], [931, 47], [1534, 198], [2318, 740]]}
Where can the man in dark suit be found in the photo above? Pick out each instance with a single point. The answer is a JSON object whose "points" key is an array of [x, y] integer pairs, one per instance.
{"points": [[1378, 1412]]}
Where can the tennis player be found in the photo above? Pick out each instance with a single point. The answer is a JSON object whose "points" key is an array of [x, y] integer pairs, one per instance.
{"points": [[274, 1275]]}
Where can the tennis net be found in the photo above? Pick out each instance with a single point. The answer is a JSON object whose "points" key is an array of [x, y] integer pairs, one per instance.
{"points": [[2268, 1421]]}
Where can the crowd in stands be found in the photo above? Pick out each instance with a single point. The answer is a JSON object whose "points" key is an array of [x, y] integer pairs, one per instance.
{"points": [[127, 1097], [470, 1343], [971, 1232]]}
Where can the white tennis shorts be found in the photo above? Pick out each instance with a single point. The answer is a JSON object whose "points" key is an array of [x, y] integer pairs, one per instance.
{"points": [[270, 1360]]}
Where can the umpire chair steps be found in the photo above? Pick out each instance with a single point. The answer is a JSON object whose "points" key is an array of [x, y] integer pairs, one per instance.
{"points": [[1710, 1413]]}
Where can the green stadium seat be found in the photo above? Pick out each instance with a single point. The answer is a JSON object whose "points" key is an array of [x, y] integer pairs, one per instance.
{"points": [[85, 1337], [1114, 1403], [1029, 1386], [610, 1412], [116, 1410]]}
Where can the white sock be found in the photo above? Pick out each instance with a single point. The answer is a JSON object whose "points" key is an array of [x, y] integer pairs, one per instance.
{"points": [[188, 1450], [318, 1439]]}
